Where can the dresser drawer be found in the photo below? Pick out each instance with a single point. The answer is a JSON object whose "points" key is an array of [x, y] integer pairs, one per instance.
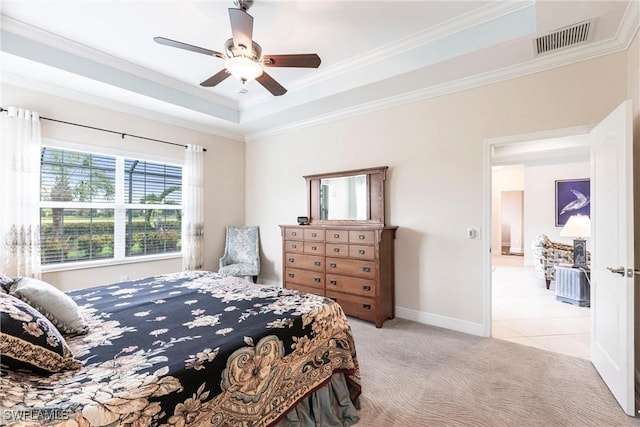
{"points": [[293, 234], [308, 262], [337, 236], [314, 248], [366, 237], [337, 249], [354, 305], [294, 246], [351, 285], [362, 252], [351, 267], [303, 288], [313, 279], [313, 234]]}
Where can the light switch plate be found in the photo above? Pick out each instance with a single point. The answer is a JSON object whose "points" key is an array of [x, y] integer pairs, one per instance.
{"points": [[473, 233]]}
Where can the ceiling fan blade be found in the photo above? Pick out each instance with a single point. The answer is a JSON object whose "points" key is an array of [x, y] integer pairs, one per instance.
{"points": [[303, 60], [185, 46], [216, 78], [271, 85], [241, 27]]}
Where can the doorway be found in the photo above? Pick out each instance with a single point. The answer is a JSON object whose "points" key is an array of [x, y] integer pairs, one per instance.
{"points": [[511, 219], [523, 171]]}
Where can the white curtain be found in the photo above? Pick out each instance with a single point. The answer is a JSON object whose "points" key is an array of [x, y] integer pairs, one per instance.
{"points": [[20, 218], [193, 208]]}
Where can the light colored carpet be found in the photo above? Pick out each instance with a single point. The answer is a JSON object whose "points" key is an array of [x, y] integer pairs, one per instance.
{"points": [[418, 375]]}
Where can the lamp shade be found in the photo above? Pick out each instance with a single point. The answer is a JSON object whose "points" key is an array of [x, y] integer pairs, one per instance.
{"points": [[578, 226]]}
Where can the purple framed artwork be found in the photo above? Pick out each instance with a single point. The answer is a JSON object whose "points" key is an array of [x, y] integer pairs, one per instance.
{"points": [[573, 196]]}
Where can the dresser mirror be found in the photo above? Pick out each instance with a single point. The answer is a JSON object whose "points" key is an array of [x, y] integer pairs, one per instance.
{"points": [[347, 197], [344, 198]]}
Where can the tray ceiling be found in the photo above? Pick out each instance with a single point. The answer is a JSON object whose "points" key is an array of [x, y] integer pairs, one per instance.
{"points": [[374, 53]]}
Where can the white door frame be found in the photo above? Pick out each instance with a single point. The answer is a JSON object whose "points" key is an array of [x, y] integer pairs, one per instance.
{"points": [[489, 144]]}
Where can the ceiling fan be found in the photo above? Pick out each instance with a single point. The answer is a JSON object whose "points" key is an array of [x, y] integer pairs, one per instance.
{"points": [[243, 57]]}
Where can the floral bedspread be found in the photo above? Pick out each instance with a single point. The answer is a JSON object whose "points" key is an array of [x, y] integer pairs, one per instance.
{"points": [[189, 348]]}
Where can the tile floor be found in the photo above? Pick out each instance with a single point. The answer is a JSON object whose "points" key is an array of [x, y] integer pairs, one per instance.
{"points": [[525, 312]]}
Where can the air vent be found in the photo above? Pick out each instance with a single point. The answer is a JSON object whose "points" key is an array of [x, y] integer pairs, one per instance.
{"points": [[562, 38]]}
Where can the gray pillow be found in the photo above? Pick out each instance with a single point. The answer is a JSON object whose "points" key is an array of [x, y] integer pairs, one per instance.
{"points": [[54, 304], [5, 283]]}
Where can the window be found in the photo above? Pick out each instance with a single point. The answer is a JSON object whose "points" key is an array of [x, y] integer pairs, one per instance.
{"points": [[97, 207]]}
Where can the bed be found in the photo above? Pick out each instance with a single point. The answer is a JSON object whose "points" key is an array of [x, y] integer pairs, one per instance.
{"points": [[190, 348]]}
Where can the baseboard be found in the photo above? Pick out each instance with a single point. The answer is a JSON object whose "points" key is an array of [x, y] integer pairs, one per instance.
{"points": [[269, 282], [441, 321]]}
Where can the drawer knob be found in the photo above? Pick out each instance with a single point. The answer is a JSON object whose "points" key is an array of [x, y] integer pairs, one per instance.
{"points": [[361, 237], [294, 234], [333, 265], [336, 236], [314, 248], [294, 246], [317, 263], [313, 234], [366, 306], [317, 279], [291, 259], [361, 251], [333, 282], [336, 249], [291, 275], [366, 269], [366, 287]]}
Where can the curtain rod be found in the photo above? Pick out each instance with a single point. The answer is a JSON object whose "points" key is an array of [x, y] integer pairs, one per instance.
{"points": [[2, 110]]}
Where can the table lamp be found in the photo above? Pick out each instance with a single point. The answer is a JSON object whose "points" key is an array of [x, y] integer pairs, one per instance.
{"points": [[578, 227]]}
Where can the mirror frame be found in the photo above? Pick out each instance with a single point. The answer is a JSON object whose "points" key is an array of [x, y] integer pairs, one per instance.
{"points": [[375, 195]]}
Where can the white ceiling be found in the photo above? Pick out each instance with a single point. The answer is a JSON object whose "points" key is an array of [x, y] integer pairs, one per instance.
{"points": [[374, 53]]}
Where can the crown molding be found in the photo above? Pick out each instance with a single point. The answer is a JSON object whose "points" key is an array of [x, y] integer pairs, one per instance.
{"points": [[627, 30], [100, 101], [406, 44], [80, 50], [630, 24], [540, 64]]}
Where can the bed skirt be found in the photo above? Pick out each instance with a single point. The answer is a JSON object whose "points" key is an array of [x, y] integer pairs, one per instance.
{"points": [[332, 405]]}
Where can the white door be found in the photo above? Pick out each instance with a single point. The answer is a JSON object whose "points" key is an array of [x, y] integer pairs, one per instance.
{"points": [[612, 333]]}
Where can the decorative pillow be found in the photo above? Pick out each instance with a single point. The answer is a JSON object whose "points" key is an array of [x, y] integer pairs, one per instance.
{"points": [[57, 306], [5, 283], [29, 341]]}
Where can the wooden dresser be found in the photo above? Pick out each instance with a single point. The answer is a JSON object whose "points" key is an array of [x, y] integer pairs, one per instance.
{"points": [[351, 264]]}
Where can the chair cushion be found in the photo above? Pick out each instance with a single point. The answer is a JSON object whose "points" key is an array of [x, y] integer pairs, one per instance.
{"points": [[239, 270]]}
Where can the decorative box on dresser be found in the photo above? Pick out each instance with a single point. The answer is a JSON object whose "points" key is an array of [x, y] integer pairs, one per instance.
{"points": [[350, 260]]}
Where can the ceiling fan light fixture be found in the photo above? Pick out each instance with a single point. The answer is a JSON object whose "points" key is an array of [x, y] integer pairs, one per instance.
{"points": [[243, 68]]}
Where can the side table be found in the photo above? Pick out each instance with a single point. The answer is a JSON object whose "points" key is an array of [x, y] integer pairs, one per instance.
{"points": [[572, 286]]}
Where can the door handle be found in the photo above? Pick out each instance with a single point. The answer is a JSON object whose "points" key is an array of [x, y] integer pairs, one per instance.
{"points": [[620, 270]]}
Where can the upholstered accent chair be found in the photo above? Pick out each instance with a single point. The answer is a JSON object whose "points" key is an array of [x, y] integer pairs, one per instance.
{"points": [[241, 253], [547, 255]]}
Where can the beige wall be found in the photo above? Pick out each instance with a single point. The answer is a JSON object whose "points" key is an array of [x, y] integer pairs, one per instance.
{"points": [[434, 149], [539, 190], [224, 173]]}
